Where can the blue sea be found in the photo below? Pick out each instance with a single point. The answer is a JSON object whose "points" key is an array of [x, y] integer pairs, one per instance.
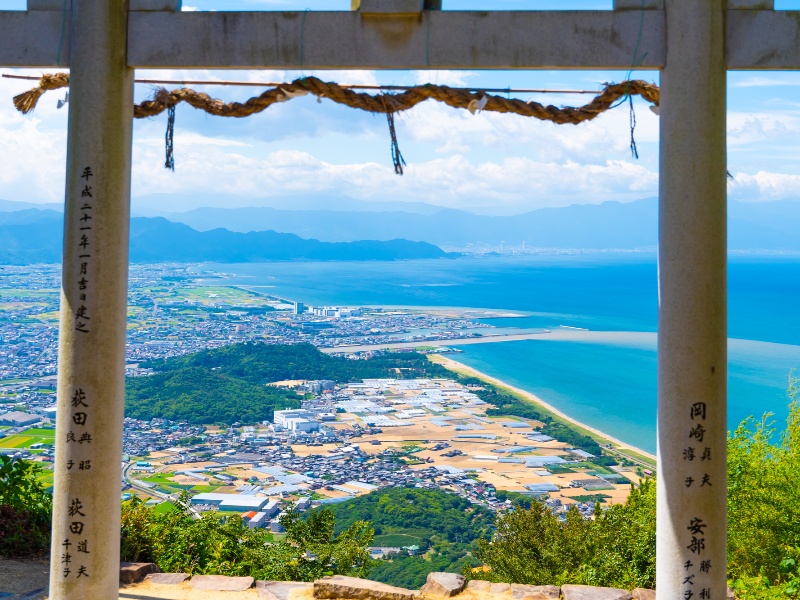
{"points": [[610, 383]]}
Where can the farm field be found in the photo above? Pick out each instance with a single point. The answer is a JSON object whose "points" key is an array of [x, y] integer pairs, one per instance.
{"points": [[27, 438]]}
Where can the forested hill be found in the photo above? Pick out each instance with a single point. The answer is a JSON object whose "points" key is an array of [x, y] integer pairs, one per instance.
{"points": [[226, 385], [444, 524], [34, 236], [424, 516], [264, 363]]}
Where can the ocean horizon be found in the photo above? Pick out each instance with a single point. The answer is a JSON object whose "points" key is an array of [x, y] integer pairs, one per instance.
{"points": [[608, 383]]}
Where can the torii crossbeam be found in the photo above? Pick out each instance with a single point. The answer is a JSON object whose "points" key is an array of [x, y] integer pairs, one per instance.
{"points": [[692, 42]]}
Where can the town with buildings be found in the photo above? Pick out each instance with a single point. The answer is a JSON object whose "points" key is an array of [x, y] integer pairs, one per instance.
{"points": [[346, 439], [172, 311]]}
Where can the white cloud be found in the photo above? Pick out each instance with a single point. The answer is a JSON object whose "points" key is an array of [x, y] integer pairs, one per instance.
{"points": [[454, 181], [782, 80], [748, 128], [606, 137], [489, 160], [451, 78], [764, 186], [190, 138]]}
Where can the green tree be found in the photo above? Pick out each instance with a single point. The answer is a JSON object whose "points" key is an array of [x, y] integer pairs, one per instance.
{"points": [[213, 544], [616, 549], [764, 497], [25, 509], [533, 546]]}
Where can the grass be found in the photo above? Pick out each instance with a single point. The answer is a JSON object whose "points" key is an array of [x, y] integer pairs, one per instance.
{"points": [[394, 540], [593, 467], [31, 293], [157, 479], [636, 456], [204, 488], [16, 441], [559, 470], [163, 508], [590, 498], [181, 486], [46, 478], [205, 295], [27, 438]]}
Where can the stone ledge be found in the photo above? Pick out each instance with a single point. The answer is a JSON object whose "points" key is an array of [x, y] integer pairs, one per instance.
{"points": [[443, 585], [280, 590], [353, 588], [167, 578], [25, 580], [535, 592], [588, 592], [221, 583], [135, 572]]}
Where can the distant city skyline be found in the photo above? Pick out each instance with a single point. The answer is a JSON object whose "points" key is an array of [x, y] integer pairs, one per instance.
{"points": [[489, 163]]}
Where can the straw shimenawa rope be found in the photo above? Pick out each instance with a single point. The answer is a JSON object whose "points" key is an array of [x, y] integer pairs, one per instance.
{"points": [[26, 101], [386, 103]]}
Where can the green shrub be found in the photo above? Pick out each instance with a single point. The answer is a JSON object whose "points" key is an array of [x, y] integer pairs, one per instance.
{"points": [[177, 541], [25, 509], [764, 497], [616, 549]]}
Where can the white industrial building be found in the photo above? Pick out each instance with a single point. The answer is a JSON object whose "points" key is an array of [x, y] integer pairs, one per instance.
{"points": [[236, 502], [259, 520], [19, 419], [296, 420]]}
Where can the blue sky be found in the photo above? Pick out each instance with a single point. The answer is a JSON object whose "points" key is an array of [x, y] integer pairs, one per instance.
{"points": [[486, 162]]}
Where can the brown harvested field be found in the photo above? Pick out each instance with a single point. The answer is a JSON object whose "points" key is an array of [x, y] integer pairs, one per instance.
{"points": [[456, 417]]}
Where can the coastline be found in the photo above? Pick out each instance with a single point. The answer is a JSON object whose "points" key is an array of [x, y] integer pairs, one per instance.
{"points": [[459, 367]]}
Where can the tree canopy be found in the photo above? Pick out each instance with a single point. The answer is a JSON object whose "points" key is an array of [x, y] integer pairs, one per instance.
{"points": [[177, 542], [428, 515], [227, 385]]}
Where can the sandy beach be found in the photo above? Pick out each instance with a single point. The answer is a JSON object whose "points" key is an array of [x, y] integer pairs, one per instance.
{"points": [[458, 367], [642, 339]]}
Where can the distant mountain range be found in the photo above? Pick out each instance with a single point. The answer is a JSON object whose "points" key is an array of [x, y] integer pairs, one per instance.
{"points": [[762, 226], [35, 236], [610, 225]]}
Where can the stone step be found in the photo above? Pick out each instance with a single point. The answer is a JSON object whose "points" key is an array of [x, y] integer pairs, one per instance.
{"points": [[353, 588], [221, 583], [280, 590], [135, 572], [167, 578], [588, 592]]}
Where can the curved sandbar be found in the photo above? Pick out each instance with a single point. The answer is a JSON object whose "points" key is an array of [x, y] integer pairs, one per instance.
{"points": [[458, 367], [565, 335]]}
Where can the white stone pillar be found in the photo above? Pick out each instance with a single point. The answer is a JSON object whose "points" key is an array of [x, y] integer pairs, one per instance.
{"points": [[692, 327], [84, 555]]}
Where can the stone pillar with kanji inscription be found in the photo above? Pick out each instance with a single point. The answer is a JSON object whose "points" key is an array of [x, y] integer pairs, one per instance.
{"points": [[84, 558], [692, 328]]}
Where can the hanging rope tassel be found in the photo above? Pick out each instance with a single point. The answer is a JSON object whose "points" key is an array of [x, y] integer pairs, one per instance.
{"points": [[634, 151], [397, 157], [169, 139], [26, 101]]}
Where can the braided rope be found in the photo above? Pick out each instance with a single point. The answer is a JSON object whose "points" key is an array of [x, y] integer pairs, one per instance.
{"points": [[26, 101], [164, 99]]}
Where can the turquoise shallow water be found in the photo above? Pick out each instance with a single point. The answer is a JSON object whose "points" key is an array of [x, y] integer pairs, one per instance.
{"points": [[612, 386], [609, 384]]}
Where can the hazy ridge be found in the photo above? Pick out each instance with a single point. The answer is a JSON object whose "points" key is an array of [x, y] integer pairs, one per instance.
{"points": [[35, 236], [769, 226]]}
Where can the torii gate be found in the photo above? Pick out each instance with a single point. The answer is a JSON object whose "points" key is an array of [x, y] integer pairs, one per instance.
{"points": [[692, 42]]}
